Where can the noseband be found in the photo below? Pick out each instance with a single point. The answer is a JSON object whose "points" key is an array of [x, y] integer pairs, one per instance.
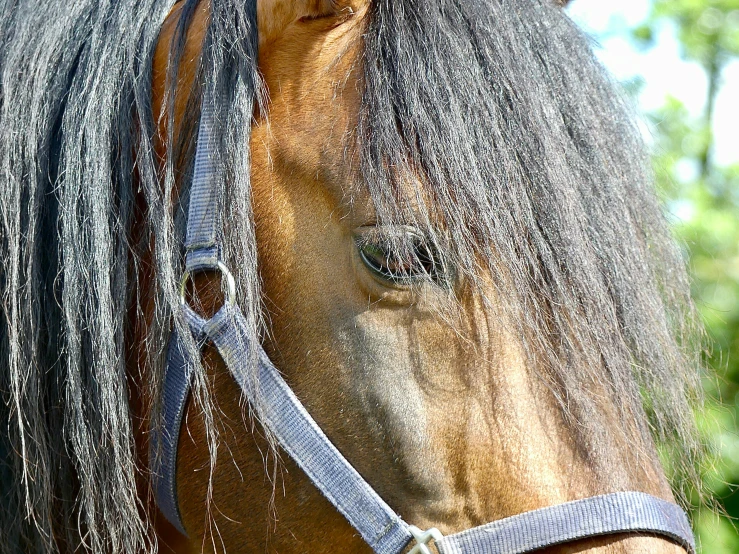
{"points": [[299, 435]]}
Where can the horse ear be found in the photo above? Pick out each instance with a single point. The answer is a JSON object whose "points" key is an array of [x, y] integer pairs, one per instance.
{"points": [[562, 3], [273, 16]]}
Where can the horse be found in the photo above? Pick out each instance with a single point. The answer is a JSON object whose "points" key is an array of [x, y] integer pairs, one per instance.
{"points": [[442, 229]]}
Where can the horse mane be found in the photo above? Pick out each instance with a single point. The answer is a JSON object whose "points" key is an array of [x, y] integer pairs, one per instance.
{"points": [[530, 161]]}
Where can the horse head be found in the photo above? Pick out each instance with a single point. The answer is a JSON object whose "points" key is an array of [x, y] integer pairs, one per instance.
{"points": [[391, 314]]}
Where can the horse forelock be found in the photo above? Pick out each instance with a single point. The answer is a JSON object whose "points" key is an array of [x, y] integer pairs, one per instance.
{"points": [[528, 160], [534, 166]]}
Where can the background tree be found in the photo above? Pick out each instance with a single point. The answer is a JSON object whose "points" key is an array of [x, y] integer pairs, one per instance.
{"points": [[705, 197]]}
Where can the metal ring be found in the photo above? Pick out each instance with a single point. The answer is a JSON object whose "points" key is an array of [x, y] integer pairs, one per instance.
{"points": [[225, 272]]}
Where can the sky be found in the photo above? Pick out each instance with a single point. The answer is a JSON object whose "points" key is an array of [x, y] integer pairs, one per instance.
{"points": [[663, 71]]}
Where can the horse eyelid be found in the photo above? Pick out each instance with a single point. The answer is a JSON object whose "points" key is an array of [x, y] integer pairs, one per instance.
{"points": [[426, 262]]}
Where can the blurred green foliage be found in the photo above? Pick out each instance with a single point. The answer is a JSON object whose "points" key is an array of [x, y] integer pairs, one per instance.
{"points": [[708, 30], [703, 199]]}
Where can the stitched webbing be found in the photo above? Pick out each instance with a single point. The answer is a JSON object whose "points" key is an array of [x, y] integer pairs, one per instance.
{"points": [[203, 218], [165, 438], [608, 514]]}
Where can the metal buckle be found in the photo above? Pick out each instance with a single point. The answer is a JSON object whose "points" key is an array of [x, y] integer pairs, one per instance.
{"points": [[230, 285], [422, 539]]}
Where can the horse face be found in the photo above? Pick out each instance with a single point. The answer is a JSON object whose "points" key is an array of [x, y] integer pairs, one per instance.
{"points": [[412, 376]]}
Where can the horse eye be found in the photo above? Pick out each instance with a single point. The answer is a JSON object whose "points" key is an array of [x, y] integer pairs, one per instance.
{"points": [[400, 259]]}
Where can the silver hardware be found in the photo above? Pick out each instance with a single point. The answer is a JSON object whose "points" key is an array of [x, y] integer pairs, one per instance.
{"points": [[422, 539], [230, 284]]}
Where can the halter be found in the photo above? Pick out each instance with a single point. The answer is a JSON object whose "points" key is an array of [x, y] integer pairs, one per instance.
{"points": [[299, 435]]}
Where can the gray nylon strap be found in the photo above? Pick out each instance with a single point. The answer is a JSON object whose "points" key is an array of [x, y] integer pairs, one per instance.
{"points": [[608, 514], [203, 219], [165, 438], [163, 448]]}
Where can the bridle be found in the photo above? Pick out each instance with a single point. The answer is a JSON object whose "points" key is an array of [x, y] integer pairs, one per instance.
{"points": [[299, 435]]}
